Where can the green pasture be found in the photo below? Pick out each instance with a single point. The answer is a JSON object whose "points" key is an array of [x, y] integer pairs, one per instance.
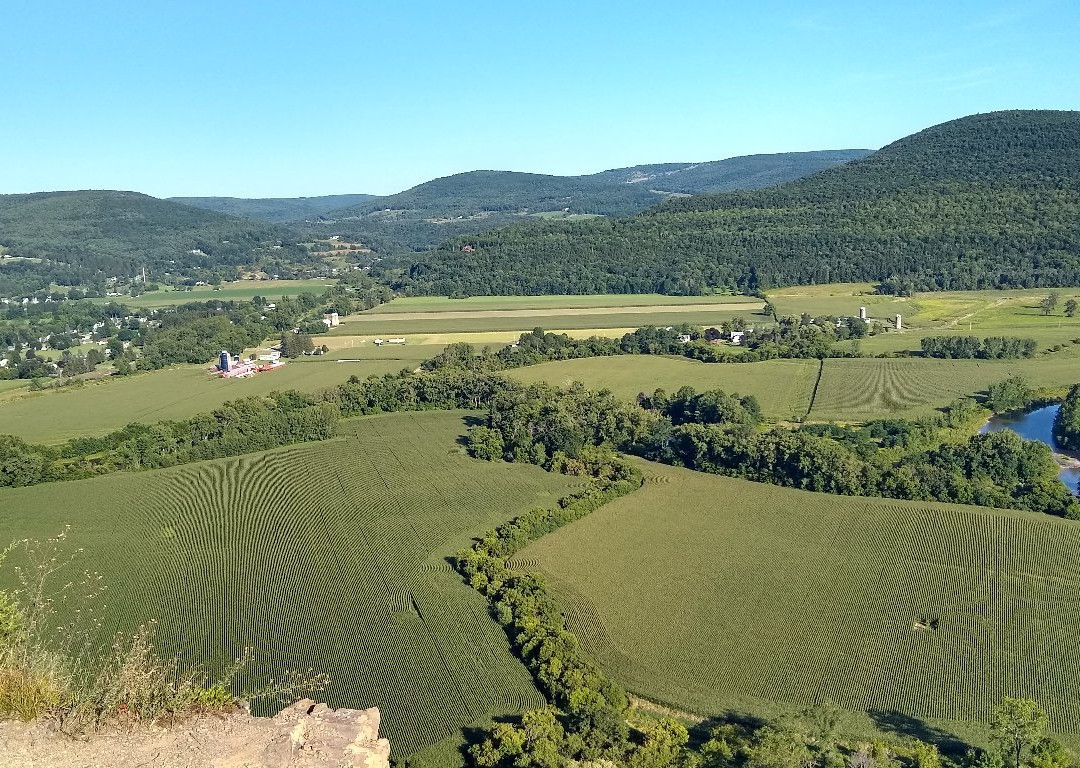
{"points": [[329, 556], [8, 385], [239, 290], [473, 303], [716, 595], [783, 387], [101, 406]]}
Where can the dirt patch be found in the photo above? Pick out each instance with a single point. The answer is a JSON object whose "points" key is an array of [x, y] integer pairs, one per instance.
{"points": [[305, 734]]}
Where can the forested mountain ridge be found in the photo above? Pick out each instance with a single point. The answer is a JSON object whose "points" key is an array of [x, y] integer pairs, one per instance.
{"points": [[278, 210], [427, 214], [985, 201], [84, 237]]}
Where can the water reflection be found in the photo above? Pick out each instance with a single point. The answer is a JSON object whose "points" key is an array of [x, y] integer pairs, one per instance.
{"points": [[1037, 425]]}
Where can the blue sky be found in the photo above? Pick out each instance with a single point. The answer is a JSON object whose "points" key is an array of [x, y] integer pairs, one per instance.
{"points": [[317, 97]]}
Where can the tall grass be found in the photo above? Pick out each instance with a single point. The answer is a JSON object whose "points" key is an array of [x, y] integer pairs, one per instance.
{"points": [[53, 665]]}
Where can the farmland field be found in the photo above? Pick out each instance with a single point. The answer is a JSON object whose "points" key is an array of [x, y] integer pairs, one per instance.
{"points": [[488, 303], [405, 323], [858, 390], [173, 393], [328, 555], [239, 290], [783, 387], [948, 313], [715, 594]]}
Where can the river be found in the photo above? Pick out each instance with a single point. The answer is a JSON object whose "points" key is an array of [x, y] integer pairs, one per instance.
{"points": [[1039, 425]]}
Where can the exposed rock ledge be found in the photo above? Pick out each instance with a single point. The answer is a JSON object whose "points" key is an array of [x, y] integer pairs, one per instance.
{"points": [[305, 735]]}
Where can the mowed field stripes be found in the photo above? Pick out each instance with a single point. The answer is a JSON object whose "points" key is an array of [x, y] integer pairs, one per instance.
{"points": [[708, 592], [329, 556]]}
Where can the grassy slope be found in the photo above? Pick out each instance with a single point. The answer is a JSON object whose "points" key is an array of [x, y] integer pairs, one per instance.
{"points": [[173, 393], [715, 595], [329, 555]]}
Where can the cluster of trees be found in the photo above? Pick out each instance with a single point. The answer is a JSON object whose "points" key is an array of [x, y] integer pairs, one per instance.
{"points": [[719, 432], [1067, 421], [924, 213], [889, 458], [790, 339], [969, 347]]}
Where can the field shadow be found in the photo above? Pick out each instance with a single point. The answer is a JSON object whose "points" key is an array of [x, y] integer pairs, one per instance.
{"points": [[470, 420], [699, 732], [912, 727]]}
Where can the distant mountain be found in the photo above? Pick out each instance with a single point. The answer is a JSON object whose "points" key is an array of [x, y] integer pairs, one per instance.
{"points": [[984, 201], [84, 237], [274, 209], [424, 216]]}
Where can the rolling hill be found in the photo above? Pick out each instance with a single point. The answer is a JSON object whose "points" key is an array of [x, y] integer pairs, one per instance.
{"points": [[466, 203], [278, 210], [84, 237], [981, 202]]}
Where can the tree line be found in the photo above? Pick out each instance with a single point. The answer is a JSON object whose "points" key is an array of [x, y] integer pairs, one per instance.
{"points": [[971, 347], [1067, 421], [720, 433]]}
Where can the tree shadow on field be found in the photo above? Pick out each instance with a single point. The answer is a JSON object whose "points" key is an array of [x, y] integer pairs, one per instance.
{"points": [[700, 732], [470, 420], [912, 727]]}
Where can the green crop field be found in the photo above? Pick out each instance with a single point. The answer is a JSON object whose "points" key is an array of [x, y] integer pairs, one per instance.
{"points": [[329, 555], [715, 594], [173, 393], [240, 290], [858, 390], [489, 303], [783, 387]]}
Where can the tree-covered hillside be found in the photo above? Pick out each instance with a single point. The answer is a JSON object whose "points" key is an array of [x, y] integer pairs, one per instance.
{"points": [[984, 201], [467, 203], [274, 209], [88, 236]]}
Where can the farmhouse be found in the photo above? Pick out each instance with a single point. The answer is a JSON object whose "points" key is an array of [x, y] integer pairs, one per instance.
{"points": [[229, 367]]}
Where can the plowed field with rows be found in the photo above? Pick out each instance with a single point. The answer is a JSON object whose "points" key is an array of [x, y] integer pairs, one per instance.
{"points": [[712, 593], [863, 389], [328, 555]]}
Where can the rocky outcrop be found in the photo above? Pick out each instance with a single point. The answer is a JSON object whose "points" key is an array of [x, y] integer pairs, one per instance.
{"points": [[304, 735], [311, 734]]}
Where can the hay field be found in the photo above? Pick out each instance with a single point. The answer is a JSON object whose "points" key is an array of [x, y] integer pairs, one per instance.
{"points": [[406, 323], [329, 555], [716, 594], [486, 303], [783, 387], [173, 393], [858, 390]]}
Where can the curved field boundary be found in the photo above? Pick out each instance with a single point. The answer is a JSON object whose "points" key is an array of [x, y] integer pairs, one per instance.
{"points": [[715, 592], [328, 555]]}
